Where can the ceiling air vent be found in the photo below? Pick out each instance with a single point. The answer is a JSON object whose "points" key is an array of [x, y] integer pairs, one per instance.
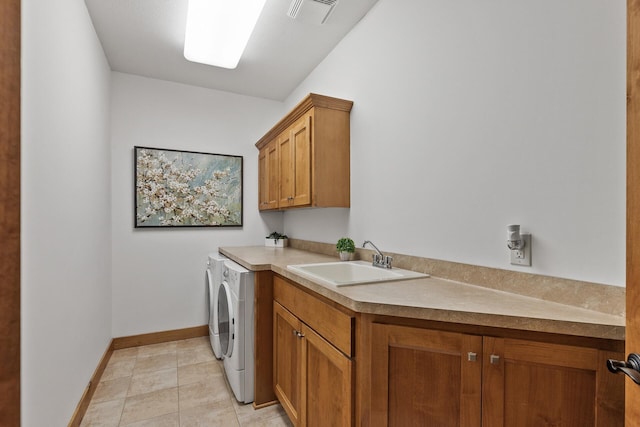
{"points": [[314, 11]]}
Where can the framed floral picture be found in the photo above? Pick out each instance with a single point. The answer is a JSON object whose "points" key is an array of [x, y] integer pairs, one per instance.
{"points": [[187, 189]]}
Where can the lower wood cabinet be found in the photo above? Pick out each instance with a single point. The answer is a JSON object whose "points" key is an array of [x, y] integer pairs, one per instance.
{"points": [[422, 377], [333, 367], [528, 383], [327, 390], [312, 377], [287, 361]]}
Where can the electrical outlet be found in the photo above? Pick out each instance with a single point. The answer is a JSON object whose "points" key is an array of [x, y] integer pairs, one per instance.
{"points": [[522, 256]]}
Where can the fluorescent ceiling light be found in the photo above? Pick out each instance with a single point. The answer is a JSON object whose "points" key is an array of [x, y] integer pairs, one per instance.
{"points": [[218, 30]]}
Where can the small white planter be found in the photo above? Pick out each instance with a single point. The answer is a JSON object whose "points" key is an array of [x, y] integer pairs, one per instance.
{"points": [[346, 256], [273, 243]]}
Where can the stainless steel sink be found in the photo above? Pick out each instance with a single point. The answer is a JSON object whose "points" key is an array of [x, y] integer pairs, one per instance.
{"points": [[353, 273]]}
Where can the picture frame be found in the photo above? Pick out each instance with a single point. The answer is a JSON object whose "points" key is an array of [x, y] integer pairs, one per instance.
{"points": [[177, 188]]}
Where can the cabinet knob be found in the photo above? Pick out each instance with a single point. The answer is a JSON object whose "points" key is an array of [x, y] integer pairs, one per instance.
{"points": [[472, 357], [494, 359]]}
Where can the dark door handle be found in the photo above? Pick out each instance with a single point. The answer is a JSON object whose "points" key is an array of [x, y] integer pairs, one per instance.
{"points": [[630, 368]]}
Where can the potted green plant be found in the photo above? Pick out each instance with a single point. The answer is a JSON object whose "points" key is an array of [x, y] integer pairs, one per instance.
{"points": [[346, 248], [276, 240]]}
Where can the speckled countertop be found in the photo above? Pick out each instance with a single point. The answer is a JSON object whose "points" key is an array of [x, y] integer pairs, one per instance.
{"points": [[438, 299]]}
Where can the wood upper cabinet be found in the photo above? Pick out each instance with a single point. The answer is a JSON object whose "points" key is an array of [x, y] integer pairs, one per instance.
{"points": [[268, 175], [312, 377], [421, 377], [312, 155], [436, 378], [295, 164]]}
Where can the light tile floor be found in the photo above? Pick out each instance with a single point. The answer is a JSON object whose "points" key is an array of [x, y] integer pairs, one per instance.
{"points": [[174, 384]]}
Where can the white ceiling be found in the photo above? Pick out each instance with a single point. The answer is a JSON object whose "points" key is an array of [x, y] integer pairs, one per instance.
{"points": [[146, 37]]}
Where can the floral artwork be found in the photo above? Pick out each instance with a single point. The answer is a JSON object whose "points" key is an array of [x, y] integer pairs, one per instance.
{"points": [[187, 189]]}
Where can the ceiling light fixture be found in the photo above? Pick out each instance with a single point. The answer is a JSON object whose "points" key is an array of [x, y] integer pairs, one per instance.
{"points": [[218, 30]]}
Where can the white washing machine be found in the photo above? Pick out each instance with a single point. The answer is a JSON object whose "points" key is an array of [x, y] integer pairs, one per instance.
{"points": [[212, 282], [235, 326]]}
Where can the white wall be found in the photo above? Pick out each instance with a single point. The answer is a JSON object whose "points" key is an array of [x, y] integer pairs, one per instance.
{"points": [[158, 274], [66, 227], [470, 116]]}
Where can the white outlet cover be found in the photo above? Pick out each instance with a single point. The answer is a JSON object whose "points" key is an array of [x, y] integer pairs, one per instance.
{"points": [[522, 257]]}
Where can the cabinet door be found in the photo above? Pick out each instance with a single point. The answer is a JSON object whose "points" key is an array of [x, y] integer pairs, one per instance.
{"points": [[421, 377], [287, 361], [327, 383], [268, 176], [286, 169], [528, 383], [294, 146], [272, 167], [263, 179], [301, 140]]}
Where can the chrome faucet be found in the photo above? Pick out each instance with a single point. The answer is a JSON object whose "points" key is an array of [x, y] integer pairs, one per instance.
{"points": [[379, 259]]}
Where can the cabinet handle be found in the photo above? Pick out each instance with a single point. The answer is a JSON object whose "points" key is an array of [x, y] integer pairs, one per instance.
{"points": [[631, 367], [472, 357], [298, 334], [494, 359]]}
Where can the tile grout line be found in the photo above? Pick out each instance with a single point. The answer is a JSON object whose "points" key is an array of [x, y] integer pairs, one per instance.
{"points": [[126, 395], [178, 387]]}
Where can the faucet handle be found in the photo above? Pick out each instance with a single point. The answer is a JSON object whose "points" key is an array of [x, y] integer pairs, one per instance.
{"points": [[377, 259], [387, 261]]}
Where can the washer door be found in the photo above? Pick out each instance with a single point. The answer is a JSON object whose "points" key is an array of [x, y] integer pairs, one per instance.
{"points": [[225, 319]]}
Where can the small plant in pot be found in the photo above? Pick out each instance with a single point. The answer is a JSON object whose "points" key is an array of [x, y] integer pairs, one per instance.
{"points": [[346, 248], [276, 240]]}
